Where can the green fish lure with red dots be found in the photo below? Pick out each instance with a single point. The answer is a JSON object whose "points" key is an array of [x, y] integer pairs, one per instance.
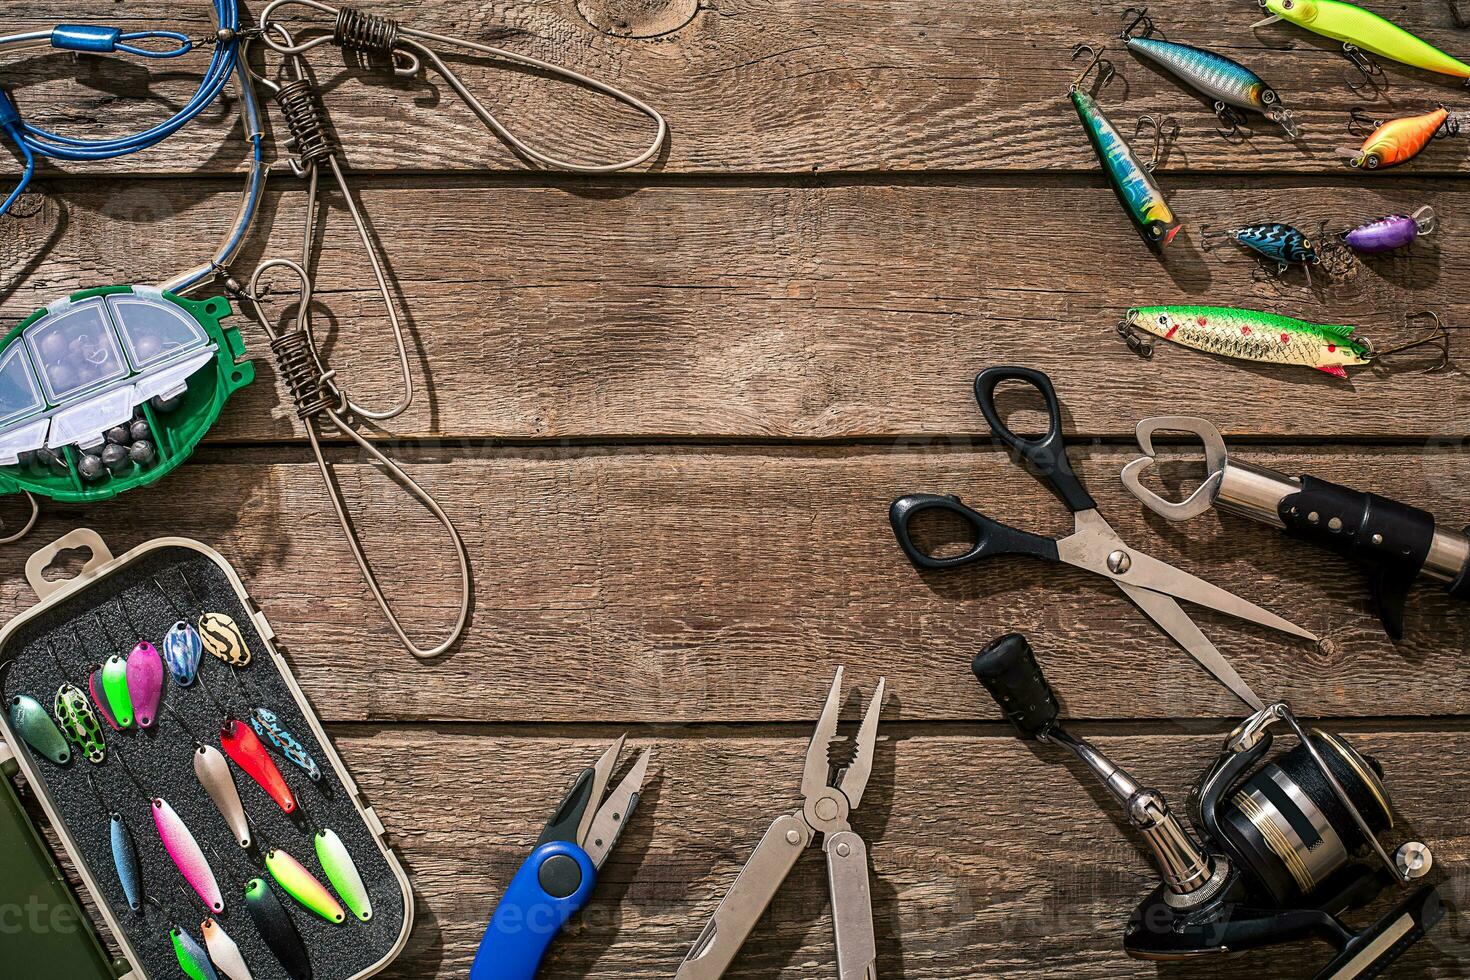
{"points": [[1248, 335]]}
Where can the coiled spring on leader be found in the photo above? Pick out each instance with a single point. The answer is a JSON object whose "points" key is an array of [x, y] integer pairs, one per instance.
{"points": [[314, 145], [357, 30], [310, 387], [312, 135]]}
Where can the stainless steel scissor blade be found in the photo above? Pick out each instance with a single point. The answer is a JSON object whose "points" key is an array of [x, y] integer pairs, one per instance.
{"points": [[1096, 547], [1176, 622], [612, 815]]}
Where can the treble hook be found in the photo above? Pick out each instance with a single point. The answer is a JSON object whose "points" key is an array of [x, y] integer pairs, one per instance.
{"points": [[1140, 16], [1159, 139], [1139, 344], [1227, 115], [1369, 68], [1361, 124], [1105, 70], [1438, 336], [1450, 127], [358, 30]]}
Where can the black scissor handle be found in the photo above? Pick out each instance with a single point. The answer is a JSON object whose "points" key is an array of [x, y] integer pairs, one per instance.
{"points": [[991, 536], [1046, 457]]}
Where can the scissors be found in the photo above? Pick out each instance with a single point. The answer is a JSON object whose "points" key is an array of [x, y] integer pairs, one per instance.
{"points": [[1152, 585]]}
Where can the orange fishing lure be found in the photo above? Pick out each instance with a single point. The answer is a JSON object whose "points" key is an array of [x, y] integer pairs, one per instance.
{"points": [[1397, 140]]}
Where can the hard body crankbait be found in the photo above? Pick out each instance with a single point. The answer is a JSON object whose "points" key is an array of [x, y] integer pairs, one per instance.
{"points": [[1251, 336], [242, 745], [269, 727], [1131, 179], [1392, 232], [1398, 140], [179, 841], [276, 928], [223, 952], [1281, 243], [342, 872], [302, 885], [1229, 85], [1357, 28]]}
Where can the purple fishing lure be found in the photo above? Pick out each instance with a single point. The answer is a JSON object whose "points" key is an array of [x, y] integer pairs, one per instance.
{"points": [[1393, 232]]}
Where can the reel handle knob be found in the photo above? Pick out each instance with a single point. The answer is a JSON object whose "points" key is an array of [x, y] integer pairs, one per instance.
{"points": [[1009, 671]]}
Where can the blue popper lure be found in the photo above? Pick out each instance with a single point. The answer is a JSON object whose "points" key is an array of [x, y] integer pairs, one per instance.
{"points": [[1131, 179]]}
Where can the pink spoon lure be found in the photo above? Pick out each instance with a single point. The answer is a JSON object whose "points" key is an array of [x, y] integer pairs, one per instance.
{"points": [[179, 841]]}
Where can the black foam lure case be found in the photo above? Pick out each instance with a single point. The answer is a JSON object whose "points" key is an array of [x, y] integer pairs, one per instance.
{"points": [[145, 592]]}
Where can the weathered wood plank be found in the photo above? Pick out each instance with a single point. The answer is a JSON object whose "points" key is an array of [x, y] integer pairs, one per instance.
{"points": [[676, 585], [758, 86], [787, 312], [989, 858]]}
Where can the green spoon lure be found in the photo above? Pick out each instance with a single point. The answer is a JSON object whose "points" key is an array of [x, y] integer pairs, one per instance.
{"points": [[31, 722], [79, 722]]}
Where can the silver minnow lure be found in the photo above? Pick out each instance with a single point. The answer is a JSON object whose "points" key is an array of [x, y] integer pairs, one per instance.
{"points": [[1228, 84]]}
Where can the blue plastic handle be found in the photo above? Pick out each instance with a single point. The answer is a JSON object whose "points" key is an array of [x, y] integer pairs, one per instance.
{"points": [[529, 917]]}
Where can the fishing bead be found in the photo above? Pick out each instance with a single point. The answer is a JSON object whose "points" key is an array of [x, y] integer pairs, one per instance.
{"points": [[139, 429], [142, 452], [115, 457], [118, 435], [91, 467]]}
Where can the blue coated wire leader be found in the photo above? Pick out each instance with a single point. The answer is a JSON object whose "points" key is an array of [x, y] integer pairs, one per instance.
{"points": [[34, 142]]}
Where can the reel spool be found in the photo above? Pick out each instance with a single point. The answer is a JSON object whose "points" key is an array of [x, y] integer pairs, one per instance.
{"points": [[1281, 847]]}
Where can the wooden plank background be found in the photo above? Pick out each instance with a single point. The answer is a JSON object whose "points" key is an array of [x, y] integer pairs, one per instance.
{"points": [[668, 410]]}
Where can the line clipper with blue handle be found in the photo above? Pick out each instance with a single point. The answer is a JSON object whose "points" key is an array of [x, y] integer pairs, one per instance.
{"points": [[556, 881]]}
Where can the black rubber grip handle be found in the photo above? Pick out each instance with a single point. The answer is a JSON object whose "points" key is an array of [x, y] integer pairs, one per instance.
{"points": [[988, 536], [1009, 671], [1046, 457]]}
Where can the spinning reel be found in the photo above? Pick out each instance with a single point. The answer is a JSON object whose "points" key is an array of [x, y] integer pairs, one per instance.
{"points": [[1280, 849]]}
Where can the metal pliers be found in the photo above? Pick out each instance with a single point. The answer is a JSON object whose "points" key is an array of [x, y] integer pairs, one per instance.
{"points": [[556, 881], [825, 810]]}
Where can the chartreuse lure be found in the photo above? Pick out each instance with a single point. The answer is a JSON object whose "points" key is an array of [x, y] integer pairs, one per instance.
{"points": [[342, 872], [276, 928], [1250, 335], [301, 885], [1131, 179], [1365, 30]]}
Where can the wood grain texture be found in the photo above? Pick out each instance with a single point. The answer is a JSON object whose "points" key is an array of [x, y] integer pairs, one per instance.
{"points": [[761, 86], [991, 858], [683, 586], [789, 311]]}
